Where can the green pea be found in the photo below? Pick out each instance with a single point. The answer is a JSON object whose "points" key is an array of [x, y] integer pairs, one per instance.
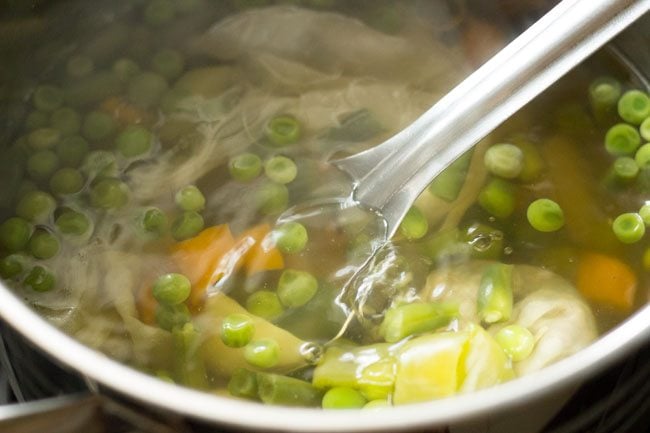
{"points": [[168, 63], [12, 266], [644, 129], [343, 397], [134, 141], [73, 223], [280, 169], [66, 120], [43, 138], [498, 198], [79, 66], [237, 330], [414, 225], [283, 130], [264, 304], [40, 279], [629, 228], [245, 167], [66, 181], [291, 237], [264, 353], [99, 163], [172, 289], [516, 341], [109, 193], [43, 245], [187, 225], [48, 98], [125, 69], [37, 119], [36, 206], [296, 288], [98, 126], [14, 234], [72, 150], [625, 169], [644, 212], [41, 165], [642, 156], [146, 89], [170, 317], [271, 198], [159, 12], [190, 198], [154, 221], [504, 160], [622, 140], [634, 106], [545, 215]]}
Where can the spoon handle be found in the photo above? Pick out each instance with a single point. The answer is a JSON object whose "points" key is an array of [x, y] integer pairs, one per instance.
{"points": [[391, 176]]}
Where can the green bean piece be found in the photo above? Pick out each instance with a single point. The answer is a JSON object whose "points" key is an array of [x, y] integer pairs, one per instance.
{"points": [[516, 341], [43, 138], [42, 164], [39, 279], [642, 156], [343, 397], [498, 198], [168, 63], [245, 167], [109, 193], [98, 126], [604, 93], [644, 129], [280, 169], [296, 288], [622, 140], [187, 225], [447, 185], [545, 215], [414, 225], [172, 289], [533, 164], [99, 163], [291, 237], [262, 353], [243, 384], [625, 169], [125, 69], [494, 302], [190, 368], [36, 206], [12, 266], [283, 130], [66, 120], [281, 390], [264, 304], [48, 98], [409, 319], [37, 119], [14, 234], [504, 160], [170, 317], [79, 66], [66, 181], [237, 330], [190, 198], [629, 228], [634, 106], [146, 89], [154, 221], [486, 242], [72, 150], [159, 12], [271, 198], [644, 212], [358, 126], [134, 141], [43, 245], [71, 222]]}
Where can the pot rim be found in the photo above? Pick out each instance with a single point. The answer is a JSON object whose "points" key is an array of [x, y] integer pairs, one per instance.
{"points": [[223, 410]]}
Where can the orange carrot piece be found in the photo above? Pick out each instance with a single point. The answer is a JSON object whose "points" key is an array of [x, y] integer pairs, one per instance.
{"points": [[261, 254], [146, 305], [606, 280], [123, 112]]}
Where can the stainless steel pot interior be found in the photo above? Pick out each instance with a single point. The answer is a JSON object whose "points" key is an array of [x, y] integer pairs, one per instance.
{"points": [[489, 403]]}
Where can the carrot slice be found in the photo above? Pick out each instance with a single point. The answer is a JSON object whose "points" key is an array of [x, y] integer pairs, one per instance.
{"points": [[606, 280], [261, 254]]}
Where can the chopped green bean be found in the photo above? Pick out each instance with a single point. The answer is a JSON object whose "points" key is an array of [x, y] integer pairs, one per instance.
{"points": [[414, 225], [187, 225], [134, 141], [66, 120], [280, 169], [625, 169], [190, 367], [296, 288], [190, 198], [516, 341], [504, 160], [271, 198], [447, 185], [264, 304], [237, 330], [498, 198], [408, 319], [245, 167], [12, 266], [73, 223], [287, 391], [109, 193], [494, 302], [170, 317], [644, 212], [622, 140], [342, 397], [42, 164], [604, 93], [72, 150], [263, 353], [634, 106], [283, 130], [642, 156], [168, 63], [66, 181], [40, 279], [291, 237], [36, 206], [146, 89], [98, 126], [43, 138], [48, 98], [14, 234], [644, 129], [545, 215], [172, 289], [243, 384], [629, 228], [43, 245], [79, 66], [154, 221]]}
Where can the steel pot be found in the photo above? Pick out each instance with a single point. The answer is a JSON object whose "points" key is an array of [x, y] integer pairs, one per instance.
{"points": [[524, 404]]}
